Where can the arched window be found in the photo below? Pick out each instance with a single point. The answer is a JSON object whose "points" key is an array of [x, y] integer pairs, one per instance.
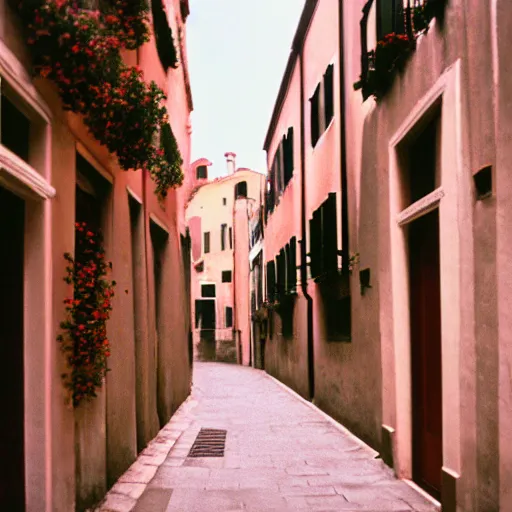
{"points": [[241, 189]]}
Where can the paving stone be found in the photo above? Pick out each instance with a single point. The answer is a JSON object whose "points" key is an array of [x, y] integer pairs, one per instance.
{"points": [[118, 503], [139, 473], [132, 490], [280, 455], [154, 500]]}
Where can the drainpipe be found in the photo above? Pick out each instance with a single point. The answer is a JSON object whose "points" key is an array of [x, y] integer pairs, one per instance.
{"points": [[303, 253], [343, 148]]}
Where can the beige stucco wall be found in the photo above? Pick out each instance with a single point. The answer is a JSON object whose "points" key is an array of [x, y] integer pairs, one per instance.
{"points": [[206, 213]]}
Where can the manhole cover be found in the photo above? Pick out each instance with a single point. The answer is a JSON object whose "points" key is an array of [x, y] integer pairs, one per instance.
{"points": [[209, 443]]}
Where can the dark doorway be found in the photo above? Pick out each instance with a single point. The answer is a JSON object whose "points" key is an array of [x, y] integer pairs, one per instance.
{"points": [[205, 321], [159, 241], [425, 310], [12, 457]]}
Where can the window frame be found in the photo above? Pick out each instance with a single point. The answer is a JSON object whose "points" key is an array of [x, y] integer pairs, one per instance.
{"points": [[206, 242], [227, 276]]}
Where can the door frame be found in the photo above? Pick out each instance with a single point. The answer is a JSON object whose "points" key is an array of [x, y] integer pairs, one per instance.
{"points": [[34, 187], [396, 346]]}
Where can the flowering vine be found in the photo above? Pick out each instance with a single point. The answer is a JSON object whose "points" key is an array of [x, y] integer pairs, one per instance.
{"points": [[80, 51], [85, 341]]}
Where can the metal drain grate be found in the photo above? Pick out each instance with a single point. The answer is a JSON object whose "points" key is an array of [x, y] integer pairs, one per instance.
{"points": [[209, 443]]}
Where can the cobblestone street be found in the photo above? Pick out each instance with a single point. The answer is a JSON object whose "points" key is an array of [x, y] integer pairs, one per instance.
{"points": [[281, 454]]}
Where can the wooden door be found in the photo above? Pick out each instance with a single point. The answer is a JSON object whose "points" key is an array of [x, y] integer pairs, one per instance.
{"points": [[425, 306], [12, 456]]}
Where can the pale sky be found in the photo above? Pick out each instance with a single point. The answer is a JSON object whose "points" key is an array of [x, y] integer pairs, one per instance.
{"points": [[237, 52]]}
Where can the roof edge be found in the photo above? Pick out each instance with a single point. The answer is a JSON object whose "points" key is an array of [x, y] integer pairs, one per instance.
{"points": [[298, 41]]}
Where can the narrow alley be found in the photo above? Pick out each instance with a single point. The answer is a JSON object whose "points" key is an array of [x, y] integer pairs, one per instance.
{"points": [[281, 453]]}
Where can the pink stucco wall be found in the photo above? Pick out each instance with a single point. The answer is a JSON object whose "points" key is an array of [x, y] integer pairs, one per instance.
{"points": [[72, 457], [367, 383]]}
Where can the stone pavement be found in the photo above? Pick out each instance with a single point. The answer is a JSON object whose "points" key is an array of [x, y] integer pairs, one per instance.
{"points": [[282, 454]]}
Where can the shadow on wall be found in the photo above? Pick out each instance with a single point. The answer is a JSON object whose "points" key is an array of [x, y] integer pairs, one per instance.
{"points": [[211, 349]]}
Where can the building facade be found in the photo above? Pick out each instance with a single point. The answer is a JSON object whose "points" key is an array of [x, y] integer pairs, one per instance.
{"points": [[393, 187], [53, 173], [218, 214]]}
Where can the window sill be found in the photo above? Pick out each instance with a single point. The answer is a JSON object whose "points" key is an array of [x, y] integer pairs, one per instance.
{"points": [[334, 338], [323, 135]]}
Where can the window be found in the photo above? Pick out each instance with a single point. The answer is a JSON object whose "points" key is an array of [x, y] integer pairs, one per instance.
{"points": [[207, 242], [231, 238], [324, 239], [223, 229], [322, 105], [224, 201], [315, 114], [207, 290], [226, 276], [202, 172], [291, 262], [271, 281], [14, 129], [241, 189], [288, 156], [329, 94], [281, 272], [390, 18], [423, 156], [229, 317]]}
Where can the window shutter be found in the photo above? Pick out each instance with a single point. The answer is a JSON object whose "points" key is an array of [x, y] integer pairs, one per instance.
{"points": [[315, 236], [223, 228], [315, 124], [271, 281], [329, 94], [281, 272], [288, 156], [292, 265], [330, 234], [207, 242]]}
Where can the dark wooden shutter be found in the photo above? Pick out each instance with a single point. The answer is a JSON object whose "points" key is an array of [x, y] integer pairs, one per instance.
{"points": [[207, 242], [315, 237], [291, 265], [288, 156], [330, 234], [329, 94], [281, 272], [271, 281], [315, 124], [223, 228]]}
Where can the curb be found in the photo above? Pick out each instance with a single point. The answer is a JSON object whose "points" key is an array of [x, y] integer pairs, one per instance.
{"points": [[330, 419], [123, 495], [349, 434]]}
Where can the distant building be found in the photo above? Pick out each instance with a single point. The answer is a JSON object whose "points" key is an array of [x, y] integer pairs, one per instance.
{"points": [[218, 214]]}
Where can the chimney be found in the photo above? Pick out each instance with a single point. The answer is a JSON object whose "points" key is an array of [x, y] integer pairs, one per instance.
{"points": [[230, 160]]}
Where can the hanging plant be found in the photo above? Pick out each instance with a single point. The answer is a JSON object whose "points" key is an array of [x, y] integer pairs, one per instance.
{"points": [[163, 36], [172, 156], [80, 51], [85, 341], [392, 52], [389, 57]]}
